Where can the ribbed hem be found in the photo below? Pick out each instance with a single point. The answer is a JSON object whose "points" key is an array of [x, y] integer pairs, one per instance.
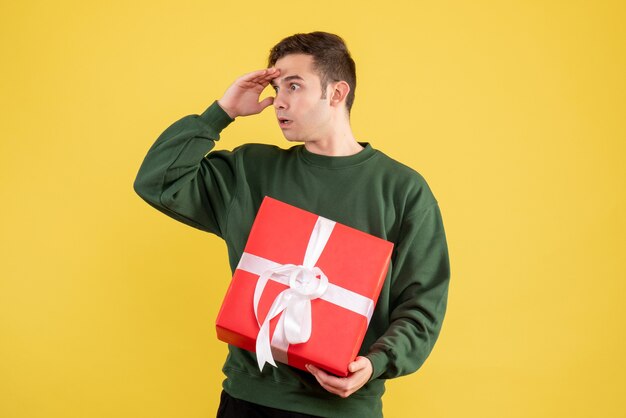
{"points": [[216, 117], [327, 161], [292, 396]]}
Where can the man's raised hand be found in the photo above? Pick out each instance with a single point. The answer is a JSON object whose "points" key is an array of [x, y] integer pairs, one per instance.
{"points": [[242, 97]]}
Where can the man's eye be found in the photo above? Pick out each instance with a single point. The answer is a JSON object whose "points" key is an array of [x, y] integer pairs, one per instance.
{"points": [[294, 85], [275, 88]]}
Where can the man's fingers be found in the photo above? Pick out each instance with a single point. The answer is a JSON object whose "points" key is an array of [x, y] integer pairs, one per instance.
{"points": [[257, 79], [330, 383], [342, 386], [324, 377], [252, 75], [360, 371], [272, 74], [257, 75]]}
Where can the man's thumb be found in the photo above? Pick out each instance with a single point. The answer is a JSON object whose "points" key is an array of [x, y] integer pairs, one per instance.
{"points": [[357, 364], [266, 102]]}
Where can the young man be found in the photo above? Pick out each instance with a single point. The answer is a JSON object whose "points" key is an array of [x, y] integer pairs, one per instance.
{"points": [[332, 175]]}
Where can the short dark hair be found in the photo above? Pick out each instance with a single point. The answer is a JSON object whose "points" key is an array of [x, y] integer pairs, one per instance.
{"points": [[331, 58]]}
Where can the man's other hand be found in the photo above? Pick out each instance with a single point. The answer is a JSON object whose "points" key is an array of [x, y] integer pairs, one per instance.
{"points": [[360, 372], [242, 97]]}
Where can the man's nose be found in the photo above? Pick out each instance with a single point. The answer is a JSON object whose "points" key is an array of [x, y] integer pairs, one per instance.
{"points": [[279, 101]]}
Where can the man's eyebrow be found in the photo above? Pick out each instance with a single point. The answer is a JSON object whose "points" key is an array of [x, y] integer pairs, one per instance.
{"points": [[288, 78]]}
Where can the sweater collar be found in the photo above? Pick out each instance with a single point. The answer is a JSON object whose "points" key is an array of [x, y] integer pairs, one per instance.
{"points": [[337, 162]]}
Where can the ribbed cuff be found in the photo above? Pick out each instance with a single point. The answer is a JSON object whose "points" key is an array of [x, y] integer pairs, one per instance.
{"points": [[216, 117], [379, 363]]}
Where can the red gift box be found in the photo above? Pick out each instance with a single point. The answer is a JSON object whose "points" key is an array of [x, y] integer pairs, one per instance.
{"points": [[304, 290]]}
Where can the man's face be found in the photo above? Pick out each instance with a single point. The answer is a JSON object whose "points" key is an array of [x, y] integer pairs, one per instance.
{"points": [[301, 112]]}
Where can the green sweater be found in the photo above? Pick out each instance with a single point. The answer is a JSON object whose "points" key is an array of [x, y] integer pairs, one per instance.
{"points": [[220, 192]]}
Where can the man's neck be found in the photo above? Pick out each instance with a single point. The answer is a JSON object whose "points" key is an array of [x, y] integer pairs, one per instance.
{"points": [[340, 143]]}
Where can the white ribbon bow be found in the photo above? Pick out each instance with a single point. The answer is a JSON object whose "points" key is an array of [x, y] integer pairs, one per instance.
{"points": [[306, 282]]}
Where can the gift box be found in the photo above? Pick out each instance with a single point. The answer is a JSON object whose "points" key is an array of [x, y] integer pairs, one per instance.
{"points": [[304, 290]]}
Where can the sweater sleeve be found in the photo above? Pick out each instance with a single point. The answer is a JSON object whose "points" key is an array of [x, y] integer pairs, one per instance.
{"points": [[419, 292], [178, 178]]}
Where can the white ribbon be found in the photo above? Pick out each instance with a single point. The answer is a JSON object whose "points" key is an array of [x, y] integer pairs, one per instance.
{"points": [[306, 282]]}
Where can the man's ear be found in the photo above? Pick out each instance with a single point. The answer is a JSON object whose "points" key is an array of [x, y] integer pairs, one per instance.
{"points": [[339, 93]]}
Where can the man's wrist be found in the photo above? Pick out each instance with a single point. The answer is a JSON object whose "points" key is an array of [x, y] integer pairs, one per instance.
{"points": [[216, 117], [226, 109]]}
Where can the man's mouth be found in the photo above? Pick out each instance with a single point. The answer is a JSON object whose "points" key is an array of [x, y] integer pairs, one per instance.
{"points": [[284, 121]]}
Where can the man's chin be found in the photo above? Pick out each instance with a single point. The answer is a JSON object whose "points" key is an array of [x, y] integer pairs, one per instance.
{"points": [[292, 138]]}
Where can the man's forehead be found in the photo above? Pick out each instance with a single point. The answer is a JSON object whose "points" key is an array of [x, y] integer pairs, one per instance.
{"points": [[303, 61], [292, 65]]}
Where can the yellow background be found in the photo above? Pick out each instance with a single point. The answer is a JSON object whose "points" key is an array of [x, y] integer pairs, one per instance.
{"points": [[513, 111]]}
